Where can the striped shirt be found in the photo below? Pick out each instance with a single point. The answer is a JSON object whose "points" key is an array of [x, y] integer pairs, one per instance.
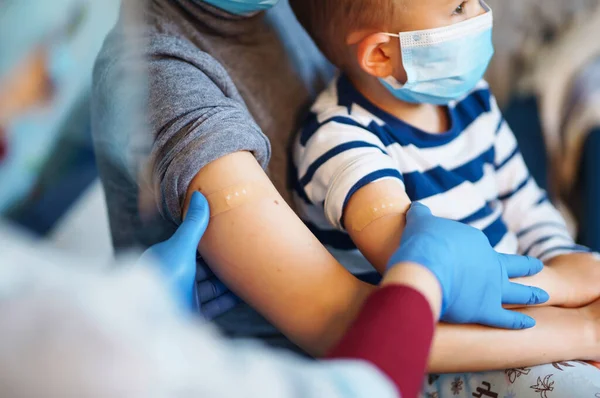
{"points": [[474, 173]]}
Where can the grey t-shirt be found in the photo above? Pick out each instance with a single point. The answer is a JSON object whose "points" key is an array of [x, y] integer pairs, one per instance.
{"points": [[216, 84]]}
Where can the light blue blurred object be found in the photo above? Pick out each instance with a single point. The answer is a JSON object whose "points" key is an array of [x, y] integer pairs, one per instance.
{"points": [[70, 33], [25, 24], [446, 63], [241, 7]]}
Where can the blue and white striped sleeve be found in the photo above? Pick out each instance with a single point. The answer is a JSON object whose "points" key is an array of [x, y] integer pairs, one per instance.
{"points": [[337, 159], [541, 230]]}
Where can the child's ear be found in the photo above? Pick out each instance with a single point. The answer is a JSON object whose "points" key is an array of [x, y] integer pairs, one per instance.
{"points": [[374, 54]]}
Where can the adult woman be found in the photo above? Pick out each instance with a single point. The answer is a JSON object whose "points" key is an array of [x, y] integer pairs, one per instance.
{"points": [[202, 97]]}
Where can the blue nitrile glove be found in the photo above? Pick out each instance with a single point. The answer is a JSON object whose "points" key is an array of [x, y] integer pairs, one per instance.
{"points": [[214, 297], [176, 257], [474, 277], [187, 275]]}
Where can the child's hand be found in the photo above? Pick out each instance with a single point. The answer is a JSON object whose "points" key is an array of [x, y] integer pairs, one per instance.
{"points": [[577, 277]]}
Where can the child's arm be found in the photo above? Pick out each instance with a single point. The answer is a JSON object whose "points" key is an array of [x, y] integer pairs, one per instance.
{"points": [[377, 240], [347, 170], [566, 279]]}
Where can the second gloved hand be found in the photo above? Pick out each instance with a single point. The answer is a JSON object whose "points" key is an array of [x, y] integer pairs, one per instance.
{"points": [[473, 276]]}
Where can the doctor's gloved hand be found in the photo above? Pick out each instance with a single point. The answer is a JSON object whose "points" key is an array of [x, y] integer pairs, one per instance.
{"points": [[473, 276], [192, 284], [213, 296]]}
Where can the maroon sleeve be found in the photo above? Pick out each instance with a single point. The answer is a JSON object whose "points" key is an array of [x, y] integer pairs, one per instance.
{"points": [[394, 332]]}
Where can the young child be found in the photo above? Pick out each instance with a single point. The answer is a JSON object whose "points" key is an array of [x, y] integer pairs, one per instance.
{"points": [[410, 119]]}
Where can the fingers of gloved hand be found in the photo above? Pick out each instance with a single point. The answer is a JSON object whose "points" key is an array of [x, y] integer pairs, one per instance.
{"points": [[210, 289], [196, 221], [515, 293], [203, 271], [506, 319], [219, 306], [520, 266], [417, 210]]}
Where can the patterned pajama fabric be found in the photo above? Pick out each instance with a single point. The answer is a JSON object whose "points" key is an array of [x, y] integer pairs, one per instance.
{"points": [[573, 379]]}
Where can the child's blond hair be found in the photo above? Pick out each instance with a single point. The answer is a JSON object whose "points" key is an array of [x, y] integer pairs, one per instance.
{"points": [[329, 22]]}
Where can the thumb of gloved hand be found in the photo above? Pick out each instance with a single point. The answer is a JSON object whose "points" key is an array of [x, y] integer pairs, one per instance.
{"points": [[176, 257], [194, 226]]}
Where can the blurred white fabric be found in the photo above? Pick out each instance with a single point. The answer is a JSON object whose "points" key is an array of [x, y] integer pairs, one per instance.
{"points": [[84, 230], [75, 328]]}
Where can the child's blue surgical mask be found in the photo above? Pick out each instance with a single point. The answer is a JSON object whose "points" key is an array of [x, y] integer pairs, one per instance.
{"points": [[444, 64], [242, 7]]}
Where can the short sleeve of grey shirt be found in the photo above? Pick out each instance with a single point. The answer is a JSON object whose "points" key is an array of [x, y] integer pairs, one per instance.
{"points": [[198, 116], [216, 84]]}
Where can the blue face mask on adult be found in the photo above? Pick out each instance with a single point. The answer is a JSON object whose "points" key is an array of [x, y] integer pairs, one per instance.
{"points": [[242, 7], [444, 64]]}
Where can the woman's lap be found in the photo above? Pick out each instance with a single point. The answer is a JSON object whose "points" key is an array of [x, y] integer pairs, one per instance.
{"points": [[560, 380]]}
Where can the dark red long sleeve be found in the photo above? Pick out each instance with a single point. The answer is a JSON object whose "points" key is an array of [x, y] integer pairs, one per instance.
{"points": [[394, 332]]}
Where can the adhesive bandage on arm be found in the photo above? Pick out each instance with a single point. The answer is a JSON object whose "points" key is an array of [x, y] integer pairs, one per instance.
{"points": [[379, 209], [238, 195]]}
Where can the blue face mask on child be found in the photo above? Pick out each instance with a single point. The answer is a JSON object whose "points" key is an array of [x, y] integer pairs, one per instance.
{"points": [[446, 63], [242, 7]]}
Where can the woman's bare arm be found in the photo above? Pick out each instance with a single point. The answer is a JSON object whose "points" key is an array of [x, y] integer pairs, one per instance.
{"points": [[265, 254], [560, 335]]}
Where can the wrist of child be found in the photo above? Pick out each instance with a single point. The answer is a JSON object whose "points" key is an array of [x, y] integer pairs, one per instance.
{"points": [[574, 279], [419, 278]]}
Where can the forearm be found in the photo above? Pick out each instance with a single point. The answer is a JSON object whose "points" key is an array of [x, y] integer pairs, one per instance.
{"points": [[311, 305], [560, 334]]}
